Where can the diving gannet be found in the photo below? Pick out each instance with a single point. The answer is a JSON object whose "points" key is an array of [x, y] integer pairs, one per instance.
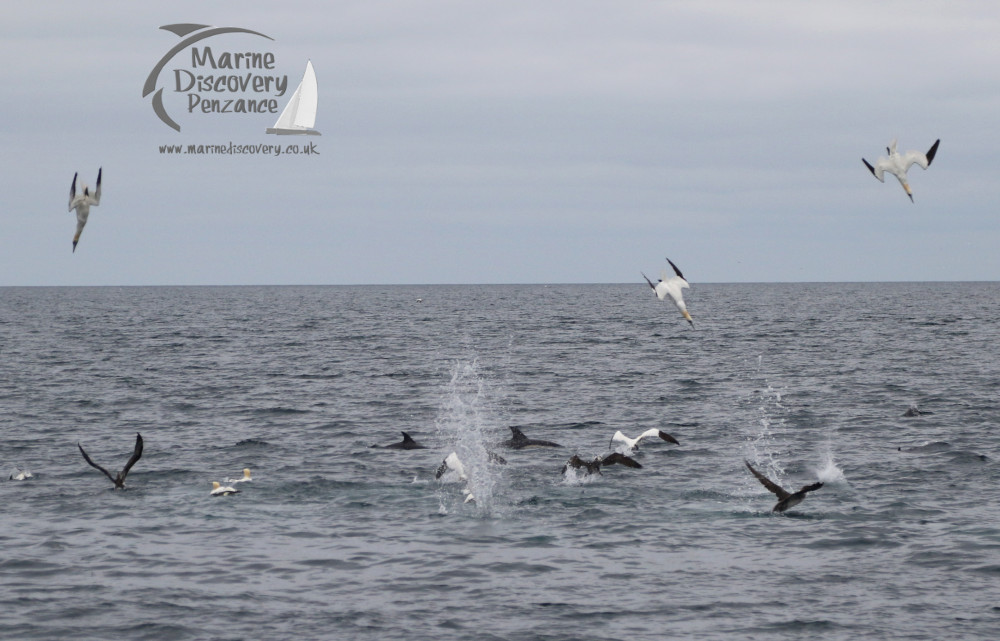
{"points": [[83, 203], [118, 479], [898, 164], [672, 287]]}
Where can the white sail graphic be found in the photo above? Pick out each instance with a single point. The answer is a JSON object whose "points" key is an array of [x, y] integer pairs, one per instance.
{"points": [[299, 115]]}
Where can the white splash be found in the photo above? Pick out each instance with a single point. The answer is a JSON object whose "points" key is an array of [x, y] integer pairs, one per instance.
{"points": [[573, 476], [828, 472], [469, 422]]}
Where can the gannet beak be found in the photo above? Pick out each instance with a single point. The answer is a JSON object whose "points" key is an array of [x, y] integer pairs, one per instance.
{"points": [[74, 245], [688, 317]]}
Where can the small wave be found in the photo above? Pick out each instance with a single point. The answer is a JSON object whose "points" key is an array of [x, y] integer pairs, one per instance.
{"points": [[252, 442], [926, 447], [279, 410]]}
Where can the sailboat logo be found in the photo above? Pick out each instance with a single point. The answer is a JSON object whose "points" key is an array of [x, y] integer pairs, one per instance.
{"points": [[299, 115]]}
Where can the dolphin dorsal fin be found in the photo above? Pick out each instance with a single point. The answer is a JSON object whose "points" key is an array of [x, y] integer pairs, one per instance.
{"points": [[517, 435], [407, 438]]}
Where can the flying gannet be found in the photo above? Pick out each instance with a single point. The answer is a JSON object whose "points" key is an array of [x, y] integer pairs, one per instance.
{"points": [[672, 287], [898, 164], [632, 443], [82, 203]]}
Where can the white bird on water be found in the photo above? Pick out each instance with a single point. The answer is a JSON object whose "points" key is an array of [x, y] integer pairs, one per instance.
{"points": [[246, 477], [672, 287], [898, 164], [218, 489], [82, 203]]}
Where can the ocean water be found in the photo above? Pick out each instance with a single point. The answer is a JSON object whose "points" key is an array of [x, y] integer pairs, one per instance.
{"points": [[334, 539]]}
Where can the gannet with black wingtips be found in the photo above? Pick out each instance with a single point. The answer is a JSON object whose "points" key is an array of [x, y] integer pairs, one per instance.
{"points": [[898, 164], [82, 204], [118, 479], [243, 479], [218, 489], [786, 499], [632, 443], [20, 475], [594, 466], [672, 287], [454, 464]]}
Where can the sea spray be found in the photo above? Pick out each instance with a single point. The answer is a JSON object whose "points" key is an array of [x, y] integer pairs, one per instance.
{"points": [[767, 418], [468, 422], [828, 472]]}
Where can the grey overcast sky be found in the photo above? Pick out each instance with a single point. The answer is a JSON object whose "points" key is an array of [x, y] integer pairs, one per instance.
{"points": [[509, 141]]}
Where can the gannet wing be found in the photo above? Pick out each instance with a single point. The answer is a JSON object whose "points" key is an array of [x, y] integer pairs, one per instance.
{"points": [[773, 487], [96, 200], [676, 271], [924, 160], [620, 459], [651, 432], [932, 152], [667, 437], [878, 170], [95, 465], [136, 454], [649, 281], [914, 158], [72, 193]]}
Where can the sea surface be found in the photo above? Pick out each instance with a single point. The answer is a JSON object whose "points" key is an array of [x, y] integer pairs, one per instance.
{"points": [[334, 539]]}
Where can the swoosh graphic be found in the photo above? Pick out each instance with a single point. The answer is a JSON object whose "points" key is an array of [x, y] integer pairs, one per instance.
{"points": [[180, 30]]}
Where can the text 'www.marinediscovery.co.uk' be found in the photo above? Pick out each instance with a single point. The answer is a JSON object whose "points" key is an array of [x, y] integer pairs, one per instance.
{"points": [[233, 149]]}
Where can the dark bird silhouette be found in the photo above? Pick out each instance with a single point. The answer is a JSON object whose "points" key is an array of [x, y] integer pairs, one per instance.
{"points": [[519, 441], [118, 479], [595, 466], [406, 444], [786, 499]]}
